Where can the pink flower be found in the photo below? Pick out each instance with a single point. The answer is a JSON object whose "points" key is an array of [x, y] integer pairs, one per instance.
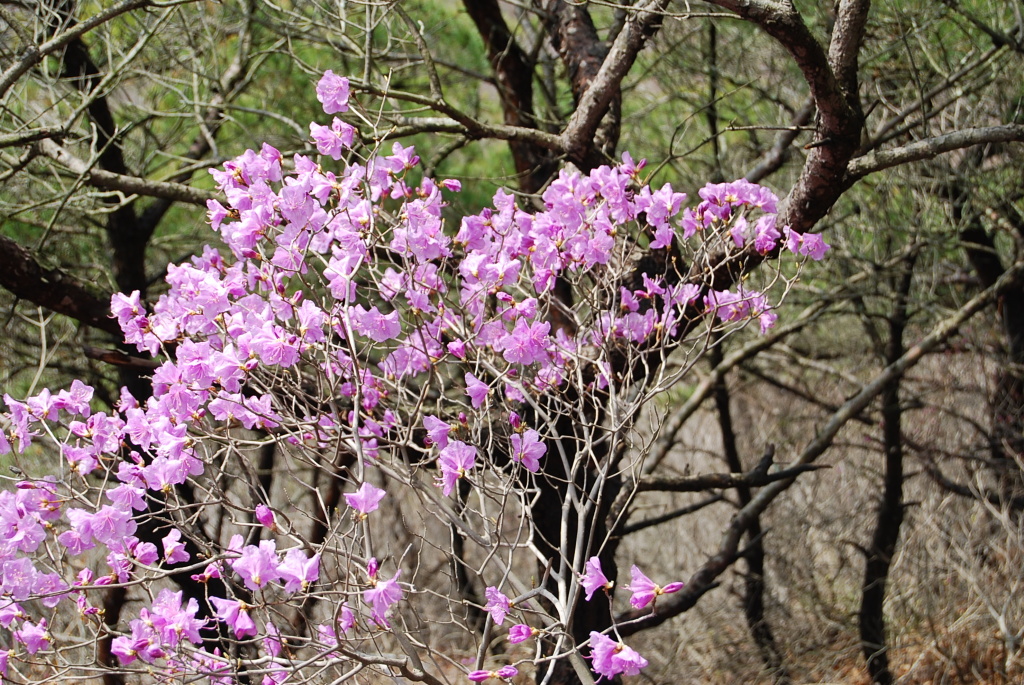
{"points": [[76, 400], [144, 552], [171, 620], [33, 636], [520, 633], [455, 461], [272, 642], [211, 571], [629, 167], [594, 579], [327, 635], [347, 619], [477, 390], [814, 246], [809, 244], [143, 644], [374, 325], [174, 549], [498, 605], [437, 431], [645, 591], [298, 571], [266, 517], [333, 92], [765, 234], [528, 448], [331, 141], [526, 343], [504, 673], [236, 614], [382, 595], [365, 500], [457, 348], [402, 158], [611, 658], [258, 565]]}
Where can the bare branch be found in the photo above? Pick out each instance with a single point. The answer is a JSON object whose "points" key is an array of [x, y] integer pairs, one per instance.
{"points": [[513, 76], [932, 147], [999, 38], [30, 136], [120, 358], [840, 118], [670, 516], [720, 481], [26, 278], [885, 131], [132, 185], [962, 490], [773, 160], [783, 22], [680, 416]]}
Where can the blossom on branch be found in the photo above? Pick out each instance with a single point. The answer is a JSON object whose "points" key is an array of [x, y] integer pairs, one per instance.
{"points": [[365, 500], [528, 448], [498, 605], [455, 461], [645, 590], [346, 330], [333, 92], [382, 594], [610, 658], [503, 673], [594, 579]]}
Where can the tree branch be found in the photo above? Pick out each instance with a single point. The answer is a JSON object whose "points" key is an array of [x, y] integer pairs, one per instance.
{"points": [[847, 38], [783, 22], [604, 87], [131, 185], [675, 422], [30, 136], [999, 38], [630, 528], [773, 160], [231, 83], [932, 147], [53, 289], [962, 490], [720, 481]]}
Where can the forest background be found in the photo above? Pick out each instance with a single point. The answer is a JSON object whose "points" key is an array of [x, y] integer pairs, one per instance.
{"points": [[892, 128]]}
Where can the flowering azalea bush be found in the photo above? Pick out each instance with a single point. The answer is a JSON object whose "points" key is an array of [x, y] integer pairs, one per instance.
{"points": [[360, 410]]}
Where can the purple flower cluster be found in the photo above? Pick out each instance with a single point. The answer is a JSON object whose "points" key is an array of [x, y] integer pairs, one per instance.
{"points": [[610, 658], [469, 310], [159, 629]]}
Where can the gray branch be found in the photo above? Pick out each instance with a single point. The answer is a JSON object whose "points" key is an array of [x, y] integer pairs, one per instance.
{"points": [[131, 185], [932, 147]]}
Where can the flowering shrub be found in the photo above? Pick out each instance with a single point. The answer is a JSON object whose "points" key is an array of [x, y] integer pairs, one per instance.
{"points": [[418, 390]]}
